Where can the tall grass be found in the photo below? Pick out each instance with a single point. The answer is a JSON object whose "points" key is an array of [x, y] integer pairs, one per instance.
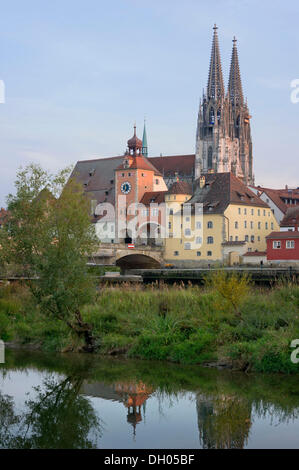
{"points": [[190, 325]]}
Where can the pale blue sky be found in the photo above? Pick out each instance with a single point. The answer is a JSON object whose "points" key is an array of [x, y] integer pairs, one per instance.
{"points": [[79, 73]]}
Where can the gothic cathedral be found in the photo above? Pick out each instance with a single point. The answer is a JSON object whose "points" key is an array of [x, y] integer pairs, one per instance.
{"points": [[223, 137]]}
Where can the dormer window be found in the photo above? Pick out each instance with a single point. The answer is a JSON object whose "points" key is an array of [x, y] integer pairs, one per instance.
{"points": [[126, 163]]}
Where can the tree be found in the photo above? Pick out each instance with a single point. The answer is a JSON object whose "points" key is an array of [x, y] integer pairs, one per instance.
{"points": [[50, 234], [231, 287]]}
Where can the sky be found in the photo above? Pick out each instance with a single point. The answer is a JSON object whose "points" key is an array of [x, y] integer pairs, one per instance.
{"points": [[78, 74]]}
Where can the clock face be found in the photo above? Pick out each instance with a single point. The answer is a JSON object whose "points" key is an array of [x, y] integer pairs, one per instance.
{"points": [[126, 187]]}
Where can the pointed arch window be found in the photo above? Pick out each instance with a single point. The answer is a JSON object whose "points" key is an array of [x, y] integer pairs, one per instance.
{"points": [[210, 158], [219, 115], [212, 116]]}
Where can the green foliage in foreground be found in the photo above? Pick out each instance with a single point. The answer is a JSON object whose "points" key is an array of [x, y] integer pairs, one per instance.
{"points": [[190, 325]]}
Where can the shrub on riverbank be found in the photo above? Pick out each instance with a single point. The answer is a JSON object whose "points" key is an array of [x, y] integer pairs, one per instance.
{"points": [[189, 325]]}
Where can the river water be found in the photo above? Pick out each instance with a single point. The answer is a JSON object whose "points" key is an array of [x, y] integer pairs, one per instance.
{"points": [[80, 401]]}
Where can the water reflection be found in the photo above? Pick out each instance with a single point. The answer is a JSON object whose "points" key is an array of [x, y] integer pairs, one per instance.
{"points": [[84, 402], [57, 417], [223, 421]]}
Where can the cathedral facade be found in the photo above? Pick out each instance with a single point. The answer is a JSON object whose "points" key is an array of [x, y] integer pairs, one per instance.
{"points": [[223, 137]]}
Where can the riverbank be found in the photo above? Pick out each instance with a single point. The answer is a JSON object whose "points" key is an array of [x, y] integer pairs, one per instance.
{"points": [[188, 325]]}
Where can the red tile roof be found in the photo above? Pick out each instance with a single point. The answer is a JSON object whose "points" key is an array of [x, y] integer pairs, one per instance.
{"points": [[222, 189], [278, 196], [97, 175], [291, 217], [283, 235], [141, 163], [180, 187], [255, 253], [170, 165], [153, 197]]}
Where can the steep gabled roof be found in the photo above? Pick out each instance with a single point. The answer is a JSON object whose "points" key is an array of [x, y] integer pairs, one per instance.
{"points": [[180, 187], [97, 175], [140, 162], [283, 235], [169, 165], [274, 195], [222, 189], [151, 197], [291, 217]]}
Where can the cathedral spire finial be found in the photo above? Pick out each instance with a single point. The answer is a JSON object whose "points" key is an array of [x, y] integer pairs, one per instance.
{"points": [[235, 91], [215, 88]]}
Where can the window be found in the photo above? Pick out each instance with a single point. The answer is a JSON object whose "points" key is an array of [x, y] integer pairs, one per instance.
{"points": [[258, 212], [209, 253], [264, 212], [259, 225], [246, 238], [176, 253], [122, 174], [258, 238], [237, 238], [187, 246], [129, 174], [187, 219], [157, 181], [276, 245], [198, 225], [272, 226], [239, 210], [245, 211], [155, 212], [210, 224], [142, 174], [252, 238], [169, 224], [236, 225], [290, 244], [187, 232], [210, 158], [251, 224], [230, 238], [170, 211], [210, 240], [198, 253], [198, 240], [245, 223], [266, 225], [252, 211]]}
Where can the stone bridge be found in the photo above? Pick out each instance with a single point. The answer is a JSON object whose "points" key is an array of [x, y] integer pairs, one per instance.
{"points": [[139, 257]]}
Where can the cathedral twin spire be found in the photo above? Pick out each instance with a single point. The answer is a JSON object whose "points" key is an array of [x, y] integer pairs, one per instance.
{"points": [[215, 87], [223, 137]]}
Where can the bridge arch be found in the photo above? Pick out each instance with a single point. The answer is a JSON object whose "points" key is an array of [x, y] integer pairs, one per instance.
{"points": [[138, 261]]}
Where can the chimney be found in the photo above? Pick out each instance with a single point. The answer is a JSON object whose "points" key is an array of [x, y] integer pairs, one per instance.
{"points": [[202, 182]]}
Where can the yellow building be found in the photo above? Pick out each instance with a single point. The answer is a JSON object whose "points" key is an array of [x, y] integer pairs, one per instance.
{"points": [[221, 221]]}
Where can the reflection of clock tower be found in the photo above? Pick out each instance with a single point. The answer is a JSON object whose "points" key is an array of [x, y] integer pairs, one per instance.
{"points": [[134, 177]]}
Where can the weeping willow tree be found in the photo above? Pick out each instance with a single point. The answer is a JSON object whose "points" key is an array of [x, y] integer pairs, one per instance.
{"points": [[50, 235]]}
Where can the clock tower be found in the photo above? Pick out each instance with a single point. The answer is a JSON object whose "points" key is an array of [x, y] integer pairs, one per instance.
{"points": [[133, 178]]}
